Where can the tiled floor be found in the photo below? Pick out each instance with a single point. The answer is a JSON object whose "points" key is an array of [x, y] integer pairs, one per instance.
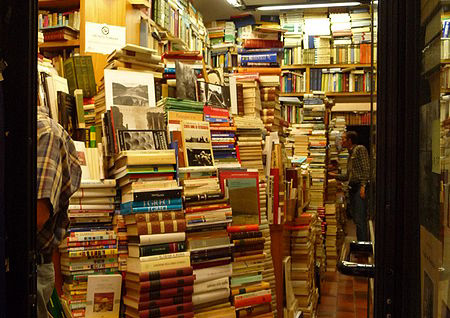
{"points": [[343, 297]]}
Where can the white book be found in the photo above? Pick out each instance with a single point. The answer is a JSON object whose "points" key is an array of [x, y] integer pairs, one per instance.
{"points": [[103, 296]]}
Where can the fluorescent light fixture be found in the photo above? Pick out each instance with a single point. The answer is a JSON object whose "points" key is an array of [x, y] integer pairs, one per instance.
{"points": [[307, 6], [235, 3]]}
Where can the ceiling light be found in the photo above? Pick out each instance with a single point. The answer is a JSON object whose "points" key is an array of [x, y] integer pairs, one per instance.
{"points": [[307, 6], [235, 3]]}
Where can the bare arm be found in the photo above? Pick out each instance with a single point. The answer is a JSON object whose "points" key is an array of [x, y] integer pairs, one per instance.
{"points": [[43, 210]]}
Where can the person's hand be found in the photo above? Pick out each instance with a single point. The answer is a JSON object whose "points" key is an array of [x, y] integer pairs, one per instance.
{"points": [[362, 192]]}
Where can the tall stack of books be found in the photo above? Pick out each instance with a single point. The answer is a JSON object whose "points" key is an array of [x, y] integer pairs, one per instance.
{"points": [[300, 142], [342, 36], [293, 22], [361, 25], [303, 260], [268, 273], [208, 213], [250, 293], [223, 136], [314, 113], [331, 237], [122, 240], [249, 134], [323, 50], [89, 111], [230, 32], [91, 245], [251, 95]]}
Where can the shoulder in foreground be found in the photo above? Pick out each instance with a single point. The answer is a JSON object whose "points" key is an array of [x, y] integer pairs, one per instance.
{"points": [[46, 125]]}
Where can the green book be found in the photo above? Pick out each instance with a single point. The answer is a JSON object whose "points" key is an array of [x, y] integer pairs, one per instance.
{"points": [[78, 93], [79, 72]]}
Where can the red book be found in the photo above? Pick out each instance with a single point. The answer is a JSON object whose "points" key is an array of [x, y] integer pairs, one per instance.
{"points": [[142, 305], [160, 294], [243, 228], [168, 310], [214, 111], [251, 301], [187, 271], [257, 44], [260, 70], [162, 283]]}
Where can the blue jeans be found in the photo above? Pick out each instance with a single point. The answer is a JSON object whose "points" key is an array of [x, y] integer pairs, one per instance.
{"points": [[358, 211]]}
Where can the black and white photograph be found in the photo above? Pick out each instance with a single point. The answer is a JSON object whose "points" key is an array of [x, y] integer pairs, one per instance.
{"points": [[131, 89], [127, 118], [197, 143], [186, 81], [142, 140], [214, 95]]}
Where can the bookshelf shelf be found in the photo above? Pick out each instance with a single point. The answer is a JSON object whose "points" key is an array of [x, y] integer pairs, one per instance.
{"points": [[55, 45], [59, 4], [445, 61], [305, 66], [331, 94]]}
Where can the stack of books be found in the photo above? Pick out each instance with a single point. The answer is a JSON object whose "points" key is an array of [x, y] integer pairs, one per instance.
{"points": [[250, 293], [134, 57], [251, 95], [249, 143], [303, 260], [230, 32], [341, 29], [208, 213], [89, 111], [331, 237], [270, 104], [156, 227], [223, 136], [193, 59], [361, 25], [314, 114], [268, 273], [293, 22], [91, 245], [122, 240], [216, 32], [322, 50]]}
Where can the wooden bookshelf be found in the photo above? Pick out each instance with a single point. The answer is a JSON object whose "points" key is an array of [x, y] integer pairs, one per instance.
{"points": [[305, 66], [55, 45], [58, 4], [331, 94]]}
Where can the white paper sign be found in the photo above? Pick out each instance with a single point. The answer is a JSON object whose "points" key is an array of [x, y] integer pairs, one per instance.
{"points": [[103, 38]]}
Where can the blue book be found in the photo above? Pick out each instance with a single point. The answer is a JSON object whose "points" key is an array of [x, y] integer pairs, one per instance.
{"points": [[216, 120], [225, 135], [147, 209], [260, 58], [218, 147]]}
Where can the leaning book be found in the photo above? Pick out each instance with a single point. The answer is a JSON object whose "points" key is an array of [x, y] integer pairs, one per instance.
{"points": [[103, 296]]}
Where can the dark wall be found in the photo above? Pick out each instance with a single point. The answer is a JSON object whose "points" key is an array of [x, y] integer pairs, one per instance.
{"points": [[18, 43]]}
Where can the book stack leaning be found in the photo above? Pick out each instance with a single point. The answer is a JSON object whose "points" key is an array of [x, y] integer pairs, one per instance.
{"points": [[208, 213], [91, 245], [159, 278]]}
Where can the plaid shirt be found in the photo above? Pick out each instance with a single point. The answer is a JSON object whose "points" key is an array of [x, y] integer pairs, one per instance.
{"points": [[58, 177], [358, 166]]}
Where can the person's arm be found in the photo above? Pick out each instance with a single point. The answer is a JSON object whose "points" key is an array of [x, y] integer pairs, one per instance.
{"points": [[43, 212], [365, 167]]}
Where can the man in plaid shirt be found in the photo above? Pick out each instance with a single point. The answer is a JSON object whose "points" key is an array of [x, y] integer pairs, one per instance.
{"points": [[358, 173], [58, 177]]}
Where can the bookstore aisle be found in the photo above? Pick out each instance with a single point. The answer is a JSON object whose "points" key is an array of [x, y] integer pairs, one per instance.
{"points": [[205, 149]]}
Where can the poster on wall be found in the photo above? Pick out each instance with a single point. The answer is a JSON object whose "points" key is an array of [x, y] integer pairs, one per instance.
{"points": [[103, 38]]}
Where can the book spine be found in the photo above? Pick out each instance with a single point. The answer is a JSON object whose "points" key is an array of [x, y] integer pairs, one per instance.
{"points": [[158, 216], [159, 264], [151, 203], [243, 228], [251, 301], [167, 283], [245, 235], [207, 274], [127, 210], [169, 226], [211, 285], [249, 241], [170, 292], [163, 302], [162, 249], [157, 275], [168, 310], [162, 238], [250, 289], [148, 196]]}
